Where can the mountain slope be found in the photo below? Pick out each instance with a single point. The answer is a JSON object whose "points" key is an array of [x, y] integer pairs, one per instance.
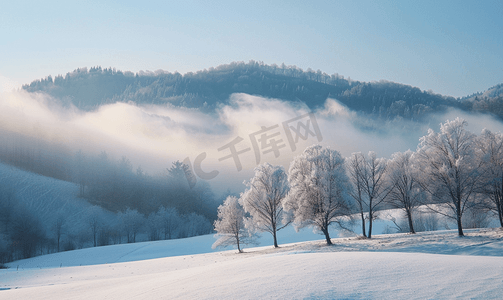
{"points": [[47, 199], [88, 89], [490, 101]]}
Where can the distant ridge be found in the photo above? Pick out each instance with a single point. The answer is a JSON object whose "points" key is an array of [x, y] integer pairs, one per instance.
{"points": [[88, 89]]}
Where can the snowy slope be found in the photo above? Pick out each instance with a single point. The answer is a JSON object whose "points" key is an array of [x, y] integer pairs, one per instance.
{"points": [[159, 249], [329, 275], [150, 250], [46, 196], [399, 266]]}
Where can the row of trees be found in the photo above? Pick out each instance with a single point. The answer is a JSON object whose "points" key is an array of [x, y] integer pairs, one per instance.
{"points": [[131, 226], [109, 182], [23, 234], [120, 195], [453, 171], [116, 186]]}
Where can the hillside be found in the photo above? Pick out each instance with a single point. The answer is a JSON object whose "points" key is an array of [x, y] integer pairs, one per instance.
{"points": [[88, 89], [489, 101], [388, 266], [40, 215], [48, 197]]}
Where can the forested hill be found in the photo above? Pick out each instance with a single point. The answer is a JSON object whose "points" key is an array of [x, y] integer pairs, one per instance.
{"points": [[89, 88], [489, 101]]}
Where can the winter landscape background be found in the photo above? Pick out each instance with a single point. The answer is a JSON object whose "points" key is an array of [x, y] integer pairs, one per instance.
{"points": [[67, 185], [279, 150]]}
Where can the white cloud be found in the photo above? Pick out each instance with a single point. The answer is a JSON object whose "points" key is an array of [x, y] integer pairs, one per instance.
{"points": [[7, 85], [154, 136]]}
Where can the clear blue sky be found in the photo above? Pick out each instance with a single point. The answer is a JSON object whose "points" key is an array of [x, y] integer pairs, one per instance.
{"points": [[451, 47]]}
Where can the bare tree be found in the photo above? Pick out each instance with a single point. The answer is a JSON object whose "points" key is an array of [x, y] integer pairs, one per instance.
{"points": [[263, 199], [451, 168], [319, 185], [59, 228]]}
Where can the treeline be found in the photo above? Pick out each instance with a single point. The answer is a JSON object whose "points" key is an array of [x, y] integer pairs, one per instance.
{"points": [[89, 88], [453, 173], [128, 205], [24, 234], [113, 184], [491, 101], [47, 158]]}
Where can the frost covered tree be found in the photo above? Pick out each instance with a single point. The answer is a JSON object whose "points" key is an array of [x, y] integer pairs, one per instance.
{"points": [[263, 199], [197, 225], [230, 226], [406, 192], [154, 226], [181, 174], [132, 222], [491, 146], [370, 189], [318, 189], [170, 221], [451, 168], [95, 220]]}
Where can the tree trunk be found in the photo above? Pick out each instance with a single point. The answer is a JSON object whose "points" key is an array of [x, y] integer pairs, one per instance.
{"points": [[499, 206], [460, 226], [370, 224], [275, 239], [363, 225], [327, 236], [500, 214], [411, 224], [237, 242]]}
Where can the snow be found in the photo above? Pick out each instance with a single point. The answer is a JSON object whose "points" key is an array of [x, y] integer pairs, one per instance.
{"points": [[151, 250], [399, 266], [46, 196]]}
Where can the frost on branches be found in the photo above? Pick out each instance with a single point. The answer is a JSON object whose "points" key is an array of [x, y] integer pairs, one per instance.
{"points": [[406, 192], [451, 167], [370, 189], [491, 145], [319, 185], [263, 200], [230, 225]]}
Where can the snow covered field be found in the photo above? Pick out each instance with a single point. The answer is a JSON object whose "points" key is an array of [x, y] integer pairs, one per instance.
{"points": [[398, 266]]}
